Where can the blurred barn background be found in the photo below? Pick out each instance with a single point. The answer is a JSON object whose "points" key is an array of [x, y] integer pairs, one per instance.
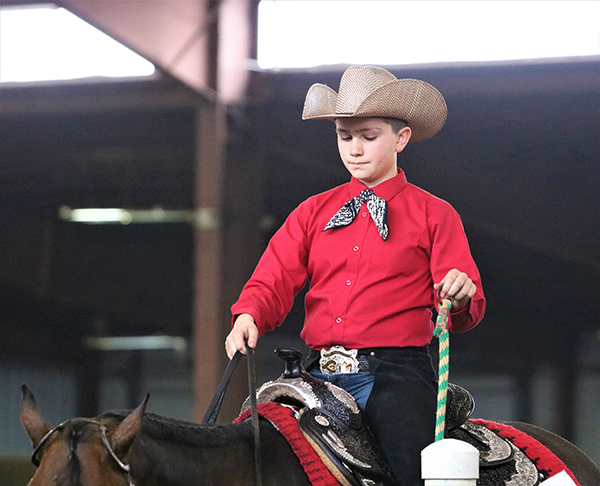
{"points": [[215, 155]]}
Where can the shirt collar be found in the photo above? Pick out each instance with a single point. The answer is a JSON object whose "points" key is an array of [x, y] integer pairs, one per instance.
{"points": [[386, 190]]}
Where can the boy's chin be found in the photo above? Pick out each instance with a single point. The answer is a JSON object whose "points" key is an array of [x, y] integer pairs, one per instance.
{"points": [[358, 171]]}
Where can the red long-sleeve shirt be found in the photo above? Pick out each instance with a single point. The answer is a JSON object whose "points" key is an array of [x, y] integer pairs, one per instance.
{"points": [[364, 292]]}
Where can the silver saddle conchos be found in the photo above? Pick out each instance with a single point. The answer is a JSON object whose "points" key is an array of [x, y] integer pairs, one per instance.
{"points": [[331, 422], [500, 461]]}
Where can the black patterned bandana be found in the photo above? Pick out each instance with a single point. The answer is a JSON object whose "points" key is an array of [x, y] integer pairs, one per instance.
{"points": [[377, 208]]}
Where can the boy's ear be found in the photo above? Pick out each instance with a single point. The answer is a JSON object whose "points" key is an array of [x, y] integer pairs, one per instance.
{"points": [[403, 138]]}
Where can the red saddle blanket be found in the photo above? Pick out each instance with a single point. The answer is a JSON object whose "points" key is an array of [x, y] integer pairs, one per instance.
{"points": [[543, 458], [283, 419]]}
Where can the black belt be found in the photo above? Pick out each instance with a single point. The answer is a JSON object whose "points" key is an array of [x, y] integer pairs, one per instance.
{"points": [[338, 359]]}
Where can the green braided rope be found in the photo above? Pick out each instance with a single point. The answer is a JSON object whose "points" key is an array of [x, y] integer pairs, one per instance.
{"points": [[441, 332]]}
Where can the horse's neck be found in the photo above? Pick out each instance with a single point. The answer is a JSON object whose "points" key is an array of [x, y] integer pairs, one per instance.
{"points": [[214, 456], [161, 460]]}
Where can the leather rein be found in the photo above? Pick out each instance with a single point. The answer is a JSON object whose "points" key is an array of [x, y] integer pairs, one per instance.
{"points": [[215, 405], [125, 468]]}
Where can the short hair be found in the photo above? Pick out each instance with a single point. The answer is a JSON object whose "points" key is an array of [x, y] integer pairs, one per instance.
{"points": [[396, 123]]}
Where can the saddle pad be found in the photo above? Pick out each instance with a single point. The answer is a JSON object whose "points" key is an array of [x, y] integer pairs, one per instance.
{"points": [[284, 421], [547, 463]]}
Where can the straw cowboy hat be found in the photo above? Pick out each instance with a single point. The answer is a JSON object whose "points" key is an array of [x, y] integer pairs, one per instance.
{"points": [[370, 91]]}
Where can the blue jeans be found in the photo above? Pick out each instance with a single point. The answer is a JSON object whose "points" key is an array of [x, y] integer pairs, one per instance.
{"points": [[359, 385]]}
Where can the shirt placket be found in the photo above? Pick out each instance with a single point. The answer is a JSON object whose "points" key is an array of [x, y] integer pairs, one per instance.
{"points": [[350, 284]]}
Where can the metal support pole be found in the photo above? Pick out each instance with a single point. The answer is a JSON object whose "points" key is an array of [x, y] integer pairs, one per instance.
{"points": [[208, 326]]}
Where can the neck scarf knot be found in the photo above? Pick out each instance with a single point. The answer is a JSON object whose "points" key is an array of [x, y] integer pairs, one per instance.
{"points": [[376, 206]]}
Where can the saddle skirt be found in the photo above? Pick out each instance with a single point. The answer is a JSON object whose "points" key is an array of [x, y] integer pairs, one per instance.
{"points": [[331, 422]]}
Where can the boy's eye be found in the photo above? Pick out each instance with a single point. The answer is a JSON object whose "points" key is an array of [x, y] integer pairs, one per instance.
{"points": [[345, 137], [370, 138]]}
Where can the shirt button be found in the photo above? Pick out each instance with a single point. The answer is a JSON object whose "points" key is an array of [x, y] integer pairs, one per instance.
{"points": [[338, 320], [364, 215], [348, 282], [355, 248]]}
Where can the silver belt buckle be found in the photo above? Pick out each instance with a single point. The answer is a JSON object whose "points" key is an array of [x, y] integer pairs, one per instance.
{"points": [[338, 359]]}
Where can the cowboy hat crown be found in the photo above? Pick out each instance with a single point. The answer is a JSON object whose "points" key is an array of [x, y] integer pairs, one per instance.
{"points": [[370, 91]]}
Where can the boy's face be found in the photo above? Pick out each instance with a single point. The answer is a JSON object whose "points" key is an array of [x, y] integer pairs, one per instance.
{"points": [[368, 148]]}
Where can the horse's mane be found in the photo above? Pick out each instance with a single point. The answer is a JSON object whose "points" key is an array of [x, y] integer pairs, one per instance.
{"points": [[186, 433]]}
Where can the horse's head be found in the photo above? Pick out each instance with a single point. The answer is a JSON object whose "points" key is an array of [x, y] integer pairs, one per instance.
{"points": [[79, 452]]}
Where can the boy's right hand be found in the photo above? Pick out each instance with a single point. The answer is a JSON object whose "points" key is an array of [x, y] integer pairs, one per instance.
{"points": [[244, 331]]}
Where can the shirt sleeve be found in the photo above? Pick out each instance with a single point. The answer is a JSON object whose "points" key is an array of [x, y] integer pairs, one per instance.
{"points": [[280, 274], [450, 249]]}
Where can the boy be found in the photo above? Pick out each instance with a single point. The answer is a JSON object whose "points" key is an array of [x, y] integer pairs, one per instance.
{"points": [[375, 251]]}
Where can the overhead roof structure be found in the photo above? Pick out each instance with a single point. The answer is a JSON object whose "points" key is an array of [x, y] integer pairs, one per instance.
{"points": [[203, 43]]}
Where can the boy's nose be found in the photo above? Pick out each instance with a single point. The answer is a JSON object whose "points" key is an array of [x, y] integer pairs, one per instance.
{"points": [[356, 150]]}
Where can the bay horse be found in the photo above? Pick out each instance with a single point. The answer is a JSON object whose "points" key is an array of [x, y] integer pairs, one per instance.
{"points": [[159, 451], [145, 449]]}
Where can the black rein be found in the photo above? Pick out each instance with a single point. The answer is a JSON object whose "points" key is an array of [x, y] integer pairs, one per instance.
{"points": [[215, 405]]}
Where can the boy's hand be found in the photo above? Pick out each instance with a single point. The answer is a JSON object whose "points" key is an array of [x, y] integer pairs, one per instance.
{"points": [[458, 286], [244, 331]]}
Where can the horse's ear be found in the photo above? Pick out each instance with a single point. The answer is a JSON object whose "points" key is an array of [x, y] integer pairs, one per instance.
{"points": [[31, 418], [128, 429]]}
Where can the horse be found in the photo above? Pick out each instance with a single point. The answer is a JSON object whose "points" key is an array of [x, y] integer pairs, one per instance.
{"points": [[139, 448], [144, 449]]}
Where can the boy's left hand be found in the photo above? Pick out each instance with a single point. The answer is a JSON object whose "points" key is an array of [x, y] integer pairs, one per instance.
{"points": [[458, 287]]}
